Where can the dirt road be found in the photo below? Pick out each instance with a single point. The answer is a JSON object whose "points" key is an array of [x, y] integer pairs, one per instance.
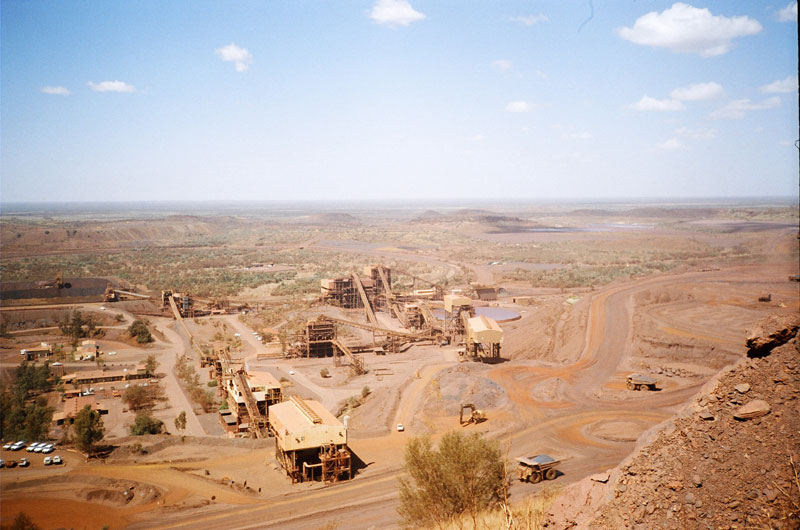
{"points": [[178, 400], [575, 424]]}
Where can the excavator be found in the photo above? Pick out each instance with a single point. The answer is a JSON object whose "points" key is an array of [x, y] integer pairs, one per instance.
{"points": [[475, 415]]}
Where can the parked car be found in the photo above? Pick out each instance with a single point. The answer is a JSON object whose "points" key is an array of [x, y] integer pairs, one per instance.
{"points": [[8, 445], [49, 448], [2, 463], [40, 447], [48, 461], [11, 463], [57, 460], [23, 462], [32, 447], [400, 427]]}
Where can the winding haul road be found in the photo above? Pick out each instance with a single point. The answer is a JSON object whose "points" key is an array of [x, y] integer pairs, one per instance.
{"points": [[370, 500]]}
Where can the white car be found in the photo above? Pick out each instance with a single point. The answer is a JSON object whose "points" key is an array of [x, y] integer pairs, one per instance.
{"points": [[57, 460], [102, 308], [39, 448], [49, 448], [237, 334], [48, 461], [400, 427], [291, 372], [8, 445], [112, 353], [32, 447]]}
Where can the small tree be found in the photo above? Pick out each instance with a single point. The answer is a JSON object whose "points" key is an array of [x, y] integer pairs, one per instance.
{"points": [[73, 326], [139, 330], [324, 373], [365, 392], [150, 365], [140, 397], [23, 522], [88, 429], [466, 474], [37, 419], [146, 424], [180, 421]]}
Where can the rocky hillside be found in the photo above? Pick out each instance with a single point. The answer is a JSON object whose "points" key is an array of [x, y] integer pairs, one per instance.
{"points": [[729, 460]]}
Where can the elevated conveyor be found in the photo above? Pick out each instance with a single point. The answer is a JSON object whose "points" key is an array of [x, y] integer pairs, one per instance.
{"points": [[135, 295], [428, 316], [258, 424], [378, 329], [365, 300], [355, 362]]}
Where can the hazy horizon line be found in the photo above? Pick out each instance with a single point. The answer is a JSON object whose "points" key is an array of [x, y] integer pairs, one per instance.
{"points": [[527, 200]]}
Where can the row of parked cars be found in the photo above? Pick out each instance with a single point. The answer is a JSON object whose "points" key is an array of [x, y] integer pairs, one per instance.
{"points": [[35, 447], [24, 462]]}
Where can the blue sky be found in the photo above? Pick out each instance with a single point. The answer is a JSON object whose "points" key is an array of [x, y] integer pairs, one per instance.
{"points": [[253, 100]]}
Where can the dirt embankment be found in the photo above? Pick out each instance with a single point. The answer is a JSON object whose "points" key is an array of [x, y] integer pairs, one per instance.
{"points": [[729, 460]]}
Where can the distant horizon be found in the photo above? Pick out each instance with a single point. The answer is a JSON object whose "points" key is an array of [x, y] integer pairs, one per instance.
{"points": [[11, 208], [533, 200]]}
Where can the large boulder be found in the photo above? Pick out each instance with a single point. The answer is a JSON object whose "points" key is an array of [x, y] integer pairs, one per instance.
{"points": [[770, 333], [753, 409]]}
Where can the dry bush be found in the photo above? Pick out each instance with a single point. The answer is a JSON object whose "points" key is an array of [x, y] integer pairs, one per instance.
{"points": [[463, 477], [528, 514]]}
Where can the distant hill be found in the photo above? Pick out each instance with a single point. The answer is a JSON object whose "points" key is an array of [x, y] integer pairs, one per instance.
{"points": [[335, 218]]}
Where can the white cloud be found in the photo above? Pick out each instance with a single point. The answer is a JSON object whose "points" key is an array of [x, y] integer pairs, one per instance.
{"points": [[781, 86], [686, 29], [698, 92], [661, 105], [111, 86], [576, 136], [477, 138], [55, 90], [670, 145], [502, 64], [697, 134], [788, 13], [519, 106], [736, 109], [530, 20], [240, 57], [394, 13]]}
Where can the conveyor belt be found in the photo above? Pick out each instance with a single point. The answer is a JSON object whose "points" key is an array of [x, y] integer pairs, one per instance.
{"points": [[365, 299], [378, 329]]}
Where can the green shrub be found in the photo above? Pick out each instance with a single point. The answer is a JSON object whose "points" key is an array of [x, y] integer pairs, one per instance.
{"points": [[465, 475], [146, 424], [139, 330]]}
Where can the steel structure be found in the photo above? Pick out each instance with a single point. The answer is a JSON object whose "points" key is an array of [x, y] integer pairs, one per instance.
{"points": [[310, 442]]}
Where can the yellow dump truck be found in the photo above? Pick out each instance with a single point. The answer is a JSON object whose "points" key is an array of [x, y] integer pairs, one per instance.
{"points": [[536, 468]]}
